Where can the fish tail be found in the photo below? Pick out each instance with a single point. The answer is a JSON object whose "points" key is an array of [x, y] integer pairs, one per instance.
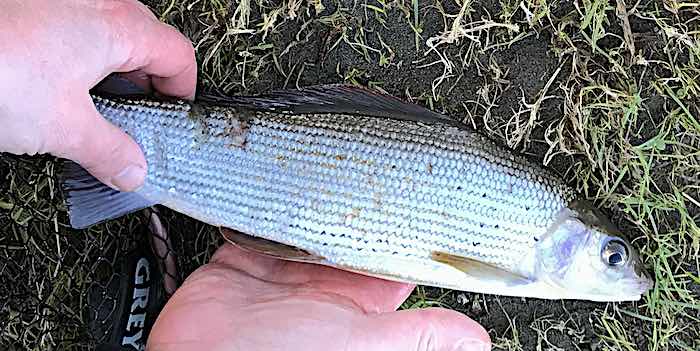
{"points": [[90, 202]]}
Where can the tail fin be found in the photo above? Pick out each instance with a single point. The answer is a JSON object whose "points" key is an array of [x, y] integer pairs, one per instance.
{"points": [[90, 202]]}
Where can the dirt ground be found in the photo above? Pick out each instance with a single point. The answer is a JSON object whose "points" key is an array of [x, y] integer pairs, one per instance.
{"points": [[555, 79]]}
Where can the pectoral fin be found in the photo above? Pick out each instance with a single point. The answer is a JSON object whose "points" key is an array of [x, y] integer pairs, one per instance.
{"points": [[480, 270], [269, 247]]}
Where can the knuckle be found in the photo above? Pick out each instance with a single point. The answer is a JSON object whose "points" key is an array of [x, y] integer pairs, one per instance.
{"points": [[118, 9], [126, 20]]}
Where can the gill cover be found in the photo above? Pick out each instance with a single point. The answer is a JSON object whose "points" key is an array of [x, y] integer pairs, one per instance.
{"points": [[558, 250]]}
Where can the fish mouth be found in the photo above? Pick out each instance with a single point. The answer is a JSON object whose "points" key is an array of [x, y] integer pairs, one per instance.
{"points": [[646, 284], [631, 289], [643, 280], [637, 285]]}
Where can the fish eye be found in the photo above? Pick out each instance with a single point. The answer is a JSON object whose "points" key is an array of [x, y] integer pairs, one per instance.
{"points": [[615, 253]]}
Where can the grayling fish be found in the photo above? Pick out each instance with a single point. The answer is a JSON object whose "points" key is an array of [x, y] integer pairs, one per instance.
{"points": [[341, 176]]}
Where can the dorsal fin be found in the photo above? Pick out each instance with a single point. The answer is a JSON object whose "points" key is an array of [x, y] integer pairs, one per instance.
{"points": [[336, 98], [116, 85]]}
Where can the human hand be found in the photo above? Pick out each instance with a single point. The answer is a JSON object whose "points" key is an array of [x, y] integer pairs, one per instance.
{"points": [[53, 52], [245, 301]]}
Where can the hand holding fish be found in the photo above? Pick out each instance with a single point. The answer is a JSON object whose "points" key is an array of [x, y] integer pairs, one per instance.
{"points": [[246, 301], [53, 52]]}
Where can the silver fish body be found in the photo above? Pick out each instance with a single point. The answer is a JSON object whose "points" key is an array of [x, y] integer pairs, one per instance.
{"points": [[380, 196]]}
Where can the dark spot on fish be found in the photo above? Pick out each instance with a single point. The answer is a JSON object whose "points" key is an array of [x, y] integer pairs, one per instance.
{"points": [[328, 165], [475, 244], [496, 226], [197, 111], [459, 187], [535, 238], [481, 225], [527, 208], [483, 195]]}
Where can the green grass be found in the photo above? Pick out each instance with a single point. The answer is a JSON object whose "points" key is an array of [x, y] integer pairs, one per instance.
{"points": [[605, 91]]}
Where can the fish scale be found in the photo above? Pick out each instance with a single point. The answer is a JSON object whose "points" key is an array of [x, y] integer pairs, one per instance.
{"points": [[346, 186]]}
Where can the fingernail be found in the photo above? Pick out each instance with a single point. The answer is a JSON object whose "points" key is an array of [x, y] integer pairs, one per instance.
{"points": [[130, 178], [470, 344]]}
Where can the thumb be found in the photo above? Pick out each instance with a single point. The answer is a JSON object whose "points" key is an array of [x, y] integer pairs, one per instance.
{"points": [[105, 151], [431, 329]]}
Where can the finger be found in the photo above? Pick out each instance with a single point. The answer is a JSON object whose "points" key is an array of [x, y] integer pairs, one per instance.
{"points": [[373, 295], [251, 263], [85, 137], [432, 329], [156, 49], [168, 57]]}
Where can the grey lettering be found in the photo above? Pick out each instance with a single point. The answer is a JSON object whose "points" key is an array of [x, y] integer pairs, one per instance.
{"points": [[135, 320], [142, 265], [134, 341], [140, 298]]}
